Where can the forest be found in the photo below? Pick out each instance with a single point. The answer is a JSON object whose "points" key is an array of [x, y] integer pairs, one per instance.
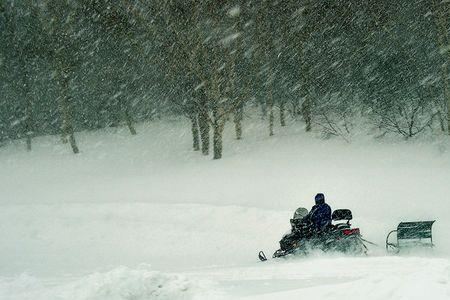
{"points": [[331, 66]]}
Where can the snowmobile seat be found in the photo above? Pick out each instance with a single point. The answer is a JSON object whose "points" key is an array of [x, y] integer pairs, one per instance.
{"points": [[411, 234], [342, 214]]}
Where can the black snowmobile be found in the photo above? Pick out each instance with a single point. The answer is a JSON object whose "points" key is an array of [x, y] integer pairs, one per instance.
{"points": [[337, 237]]}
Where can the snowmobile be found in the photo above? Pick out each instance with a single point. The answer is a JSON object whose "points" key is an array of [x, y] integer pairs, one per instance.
{"points": [[337, 237]]}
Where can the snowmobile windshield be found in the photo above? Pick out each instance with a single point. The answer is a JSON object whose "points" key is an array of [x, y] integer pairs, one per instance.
{"points": [[300, 213]]}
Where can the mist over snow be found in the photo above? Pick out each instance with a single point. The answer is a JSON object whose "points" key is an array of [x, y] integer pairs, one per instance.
{"points": [[82, 226]]}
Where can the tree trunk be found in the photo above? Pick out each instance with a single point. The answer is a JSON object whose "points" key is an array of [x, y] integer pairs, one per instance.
{"points": [[129, 121], [296, 111], [64, 139], [73, 143], [441, 15], [448, 117], [441, 121], [218, 133], [28, 143], [29, 118], [195, 132], [446, 92], [263, 110], [282, 113], [67, 127], [270, 108], [238, 116], [29, 129], [204, 132], [271, 121], [306, 112]]}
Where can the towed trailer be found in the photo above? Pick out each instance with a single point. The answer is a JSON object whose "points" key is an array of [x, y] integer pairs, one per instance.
{"points": [[410, 234]]}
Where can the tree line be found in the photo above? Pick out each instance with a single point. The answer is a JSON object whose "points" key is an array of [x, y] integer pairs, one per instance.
{"points": [[334, 65]]}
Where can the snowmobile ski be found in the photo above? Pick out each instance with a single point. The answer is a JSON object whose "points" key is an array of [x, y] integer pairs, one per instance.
{"points": [[262, 256]]}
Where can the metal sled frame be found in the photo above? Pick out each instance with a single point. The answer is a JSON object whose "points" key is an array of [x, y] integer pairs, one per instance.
{"points": [[411, 233]]}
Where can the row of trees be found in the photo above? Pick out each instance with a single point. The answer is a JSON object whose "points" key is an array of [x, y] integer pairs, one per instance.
{"points": [[69, 65]]}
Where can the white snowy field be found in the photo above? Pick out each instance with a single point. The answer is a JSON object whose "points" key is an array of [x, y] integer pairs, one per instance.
{"points": [[144, 217]]}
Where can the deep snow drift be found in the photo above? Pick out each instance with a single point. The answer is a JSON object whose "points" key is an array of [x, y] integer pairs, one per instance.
{"points": [[144, 217]]}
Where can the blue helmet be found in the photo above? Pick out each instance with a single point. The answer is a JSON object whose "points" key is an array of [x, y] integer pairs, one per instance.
{"points": [[320, 198]]}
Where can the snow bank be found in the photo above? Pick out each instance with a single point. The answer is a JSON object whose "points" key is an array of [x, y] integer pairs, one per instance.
{"points": [[119, 284]]}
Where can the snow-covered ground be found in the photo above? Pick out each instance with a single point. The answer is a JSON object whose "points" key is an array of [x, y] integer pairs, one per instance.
{"points": [[144, 217]]}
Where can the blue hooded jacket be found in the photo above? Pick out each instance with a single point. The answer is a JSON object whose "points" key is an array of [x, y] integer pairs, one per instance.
{"points": [[320, 214]]}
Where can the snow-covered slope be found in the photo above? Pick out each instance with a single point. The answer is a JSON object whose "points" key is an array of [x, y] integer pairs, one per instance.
{"points": [[144, 217]]}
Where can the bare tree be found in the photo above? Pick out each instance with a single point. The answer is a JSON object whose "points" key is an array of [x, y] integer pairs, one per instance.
{"points": [[441, 15], [59, 19], [408, 118]]}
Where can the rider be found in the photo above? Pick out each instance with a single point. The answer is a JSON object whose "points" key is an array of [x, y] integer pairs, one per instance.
{"points": [[304, 224], [320, 214]]}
